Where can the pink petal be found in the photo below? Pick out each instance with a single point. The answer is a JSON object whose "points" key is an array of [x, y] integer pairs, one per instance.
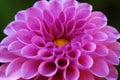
{"points": [[48, 16], [15, 46], [59, 52], [55, 8], [8, 30], [20, 15], [85, 62], [113, 74], [6, 41], [6, 56], [24, 36], [43, 5], [70, 3], [45, 54], [13, 69], [18, 25], [101, 50], [62, 17], [100, 68], [100, 36], [62, 63], [112, 58], [74, 54], [84, 6], [88, 47], [2, 71], [99, 22], [38, 41], [29, 69], [58, 29], [47, 69], [69, 13], [34, 12], [71, 73], [85, 75], [33, 23], [29, 51]]}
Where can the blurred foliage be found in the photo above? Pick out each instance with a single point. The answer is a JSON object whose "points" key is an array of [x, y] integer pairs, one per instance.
{"points": [[8, 8]]}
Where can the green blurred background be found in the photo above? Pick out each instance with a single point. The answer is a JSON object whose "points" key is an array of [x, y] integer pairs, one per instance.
{"points": [[8, 8]]}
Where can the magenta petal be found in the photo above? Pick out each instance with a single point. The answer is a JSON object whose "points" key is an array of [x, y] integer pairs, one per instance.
{"points": [[74, 54], [2, 71], [58, 29], [29, 69], [62, 17], [20, 15], [15, 46], [41, 4], [47, 69], [62, 63], [84, 6], [71, 73], [58, 76], [85, 75], [34, 12], [13, 69], [38, 41], [100, 68], [88, 47], [99, 22], [55, 7], [85, 62], [69, 13], [101, 50], [33, 23], [113, 74], [45, 54], [29, 51], [6, 56], [112, 58], [38, 77], [24, 36], [100, 36], [18, 25], [48, 16], [6, 41]]}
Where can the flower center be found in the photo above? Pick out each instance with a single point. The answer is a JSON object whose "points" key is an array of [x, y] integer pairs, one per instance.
{"points": [[61, 41]]}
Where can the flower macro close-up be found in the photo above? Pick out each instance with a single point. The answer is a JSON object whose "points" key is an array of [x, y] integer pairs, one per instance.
{"points": [[59, 40]]}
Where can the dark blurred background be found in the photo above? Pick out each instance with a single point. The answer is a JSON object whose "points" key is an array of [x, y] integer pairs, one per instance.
{"points": [[8, 8]]}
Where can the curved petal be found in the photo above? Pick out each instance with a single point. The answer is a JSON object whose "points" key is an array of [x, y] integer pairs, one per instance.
{"points": [[85, 62], [48, 17], [18, 25], [74, 54], [33, 23], [45, 54], [20, 15], [29, 69], [15, 46], [112, 58], [2, 71], [113, 74], [88, 47], [13, 69], [24, 36], [43, 5], [101, 50], [6, 56], [85, 75], [71, 73], [58, 29], [55, 7], [99, 22], [38, 41], [34, 12], [62, 17], [59, 52], [40, 77], [29, 51], [47, 69], [84, 6], [100, 68], [100, 36], [62, 63]]}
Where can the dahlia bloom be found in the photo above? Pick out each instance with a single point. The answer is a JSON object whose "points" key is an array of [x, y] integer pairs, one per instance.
{"points": [[59, 40]]}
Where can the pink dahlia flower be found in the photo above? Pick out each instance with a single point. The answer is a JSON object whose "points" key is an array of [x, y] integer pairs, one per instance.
{"points": [[59, 40]]}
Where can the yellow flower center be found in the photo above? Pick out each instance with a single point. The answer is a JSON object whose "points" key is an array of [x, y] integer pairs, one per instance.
{"points": [[61, 41]]}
